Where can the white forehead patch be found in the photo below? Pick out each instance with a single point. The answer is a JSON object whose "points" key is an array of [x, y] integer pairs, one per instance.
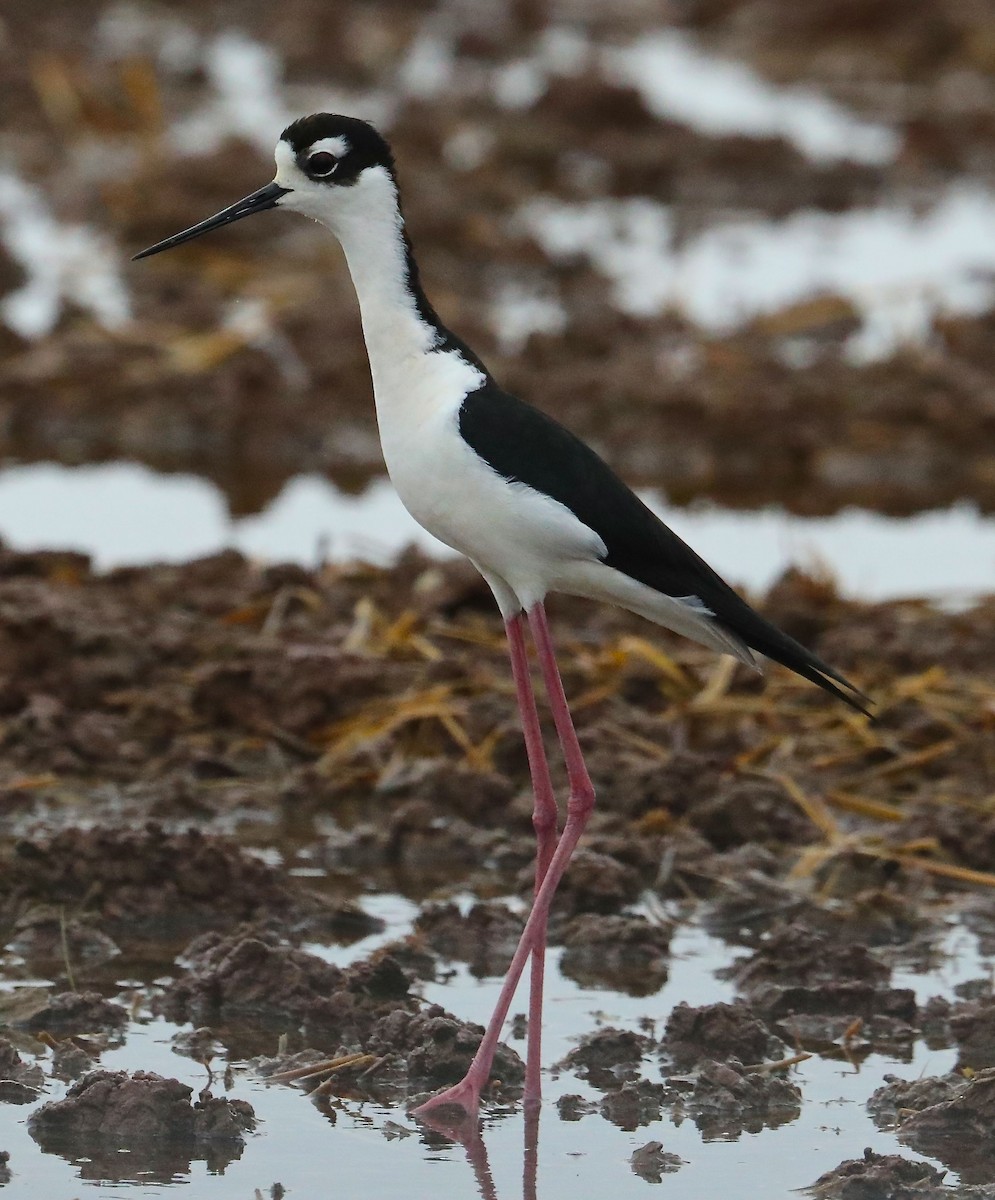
{"points": [[339, 146], [285, 164]]}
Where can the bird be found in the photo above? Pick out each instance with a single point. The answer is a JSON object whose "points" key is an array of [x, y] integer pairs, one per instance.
{"points": [[531, 505]]}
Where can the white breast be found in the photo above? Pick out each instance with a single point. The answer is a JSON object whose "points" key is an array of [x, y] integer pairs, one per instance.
{"points": [[508, 529], [519, 538]]}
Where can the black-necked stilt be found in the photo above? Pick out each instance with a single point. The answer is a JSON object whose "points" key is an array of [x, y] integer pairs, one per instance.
{"points": [[532, 506]]}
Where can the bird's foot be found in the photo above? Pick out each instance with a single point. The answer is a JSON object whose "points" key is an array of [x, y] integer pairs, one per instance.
{"points": [[464, 1097]]}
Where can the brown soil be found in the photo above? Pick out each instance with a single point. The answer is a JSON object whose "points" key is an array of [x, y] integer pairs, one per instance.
{"points": [[717, 1031], [724, 417], [880, 1175], [161, 727], [378, 705], [949, 1119], [109, 1111], [149, 883], [20, 1081]]}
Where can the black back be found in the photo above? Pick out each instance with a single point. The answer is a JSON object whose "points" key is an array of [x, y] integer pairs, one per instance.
{"points": [[525, 445]]}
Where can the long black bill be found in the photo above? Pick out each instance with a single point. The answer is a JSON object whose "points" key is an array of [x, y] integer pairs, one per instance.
{"points": [[259, 201]]}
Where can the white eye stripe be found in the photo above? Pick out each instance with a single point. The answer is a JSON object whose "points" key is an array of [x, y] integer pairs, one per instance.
{"points": [[339, 146]]}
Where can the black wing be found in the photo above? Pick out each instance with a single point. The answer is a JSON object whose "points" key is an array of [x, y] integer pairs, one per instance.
{"points": [[525, 445]]}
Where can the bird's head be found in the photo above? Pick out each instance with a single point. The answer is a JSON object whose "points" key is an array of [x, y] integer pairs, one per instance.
{"points": [[328, 167]]}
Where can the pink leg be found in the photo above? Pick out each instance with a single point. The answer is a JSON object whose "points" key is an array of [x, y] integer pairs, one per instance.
{"points": [[466, 1094], [544, 816]]}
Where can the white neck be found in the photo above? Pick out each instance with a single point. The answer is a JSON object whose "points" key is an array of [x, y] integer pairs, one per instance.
{"points": [[415, 379], [368, 223]]}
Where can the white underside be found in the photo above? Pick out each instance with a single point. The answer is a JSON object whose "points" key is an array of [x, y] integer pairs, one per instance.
{"points": [[525, 544]]}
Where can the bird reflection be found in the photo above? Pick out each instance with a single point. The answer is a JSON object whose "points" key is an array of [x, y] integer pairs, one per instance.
{"points": [[468, 1133]]}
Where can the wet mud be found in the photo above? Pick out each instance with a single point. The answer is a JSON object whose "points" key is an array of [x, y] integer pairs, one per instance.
{"points": [[109, 1112], [267, 775], [948, 1118], [273, 825], [879, 1175]]}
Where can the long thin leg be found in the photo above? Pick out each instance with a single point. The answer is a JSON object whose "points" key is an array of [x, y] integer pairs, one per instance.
{"points": [[530, 1159], [544, 817], [466, 1094], [581, 789]]}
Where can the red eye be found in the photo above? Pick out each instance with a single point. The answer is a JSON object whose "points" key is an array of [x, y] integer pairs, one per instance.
{"points": [[322, 163]]}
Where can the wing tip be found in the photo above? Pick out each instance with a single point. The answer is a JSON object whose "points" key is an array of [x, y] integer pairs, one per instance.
{"points": [[838, 685]]}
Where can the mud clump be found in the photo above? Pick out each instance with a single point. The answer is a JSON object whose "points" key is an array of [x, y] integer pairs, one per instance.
{"points": [[77, 1012], [953, 1120], [150, 1116], [414, 839], [745, 899], [717, 1031], [437, 1048], [70, 1060], [727, 1099], [20, 1082], [636, 1103], [876, 1176], [628, 953], [972, 1026], [608, 1058], [152, 883], [750, 811], [256, 975], [134, 1108], [798, 955], [883, 1015], [651, 1162], [596, 883], [485, 937], [851, 1014], [43, 935], [252, 973], [897, 1098]]}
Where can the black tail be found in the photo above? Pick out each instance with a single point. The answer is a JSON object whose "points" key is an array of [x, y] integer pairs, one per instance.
{"points": [[768, 640]]}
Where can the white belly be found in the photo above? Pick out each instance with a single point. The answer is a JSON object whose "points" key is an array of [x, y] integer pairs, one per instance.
{"points": [[509, 530]]}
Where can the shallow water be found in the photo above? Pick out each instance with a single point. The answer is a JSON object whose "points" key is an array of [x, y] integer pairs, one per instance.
{"points": [[302, 1147], [681, 81], [899, 264], [125, 514]]}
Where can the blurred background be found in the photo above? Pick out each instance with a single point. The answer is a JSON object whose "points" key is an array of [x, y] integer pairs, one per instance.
{"points": [[745, 247]]}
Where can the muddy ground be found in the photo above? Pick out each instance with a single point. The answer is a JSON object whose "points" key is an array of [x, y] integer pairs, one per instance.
{"points": [[213, 775], [774, 412], [177, 742]]}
